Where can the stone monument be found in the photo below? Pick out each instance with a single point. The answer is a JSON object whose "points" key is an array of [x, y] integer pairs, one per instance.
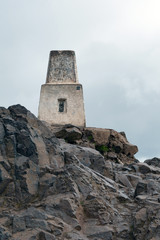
{"points": [[61, 98]]}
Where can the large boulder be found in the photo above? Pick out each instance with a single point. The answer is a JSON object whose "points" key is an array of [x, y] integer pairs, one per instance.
{"points": [[69, 133], [112, 144], [154, 162]]}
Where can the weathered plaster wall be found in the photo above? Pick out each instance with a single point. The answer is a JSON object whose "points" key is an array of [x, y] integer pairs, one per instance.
{"points": [[49, 107]]}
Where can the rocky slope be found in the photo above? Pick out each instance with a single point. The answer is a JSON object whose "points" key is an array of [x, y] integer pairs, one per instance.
{"points": [[69, 183]]}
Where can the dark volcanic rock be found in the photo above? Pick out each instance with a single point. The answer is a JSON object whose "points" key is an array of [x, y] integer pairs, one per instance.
{"points": [[69, 133], [154, 162], [52, 189], [23, 152]]}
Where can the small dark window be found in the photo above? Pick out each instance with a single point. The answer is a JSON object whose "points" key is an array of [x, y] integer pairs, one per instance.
{"points": [[62, 105], [78, 88]]}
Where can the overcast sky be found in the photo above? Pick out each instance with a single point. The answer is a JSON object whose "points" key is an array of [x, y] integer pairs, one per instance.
{"points": [[117, 45]]}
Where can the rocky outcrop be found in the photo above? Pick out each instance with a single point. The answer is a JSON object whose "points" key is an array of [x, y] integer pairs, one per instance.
{"points": [[153, 162], [112, 145], [73, 187]]}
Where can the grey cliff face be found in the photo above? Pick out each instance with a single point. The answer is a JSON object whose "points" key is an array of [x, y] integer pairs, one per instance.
{"points": [[73, 183]]}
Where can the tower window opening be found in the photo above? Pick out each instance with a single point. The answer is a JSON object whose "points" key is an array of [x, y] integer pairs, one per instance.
{"points": [[62, 105]]}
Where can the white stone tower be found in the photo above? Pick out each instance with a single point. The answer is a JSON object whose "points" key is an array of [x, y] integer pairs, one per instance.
{"points": [[61, 98]]}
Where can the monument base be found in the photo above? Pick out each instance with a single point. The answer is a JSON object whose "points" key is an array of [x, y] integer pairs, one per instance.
{"points": [[62, 104]]}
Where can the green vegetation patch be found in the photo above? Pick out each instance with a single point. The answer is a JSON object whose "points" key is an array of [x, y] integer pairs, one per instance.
{"points": [[90, 138], [102, 149]]}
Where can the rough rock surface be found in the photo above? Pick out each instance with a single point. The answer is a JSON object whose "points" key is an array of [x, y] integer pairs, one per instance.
{"points": [[87, 186], [111, 144]]}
